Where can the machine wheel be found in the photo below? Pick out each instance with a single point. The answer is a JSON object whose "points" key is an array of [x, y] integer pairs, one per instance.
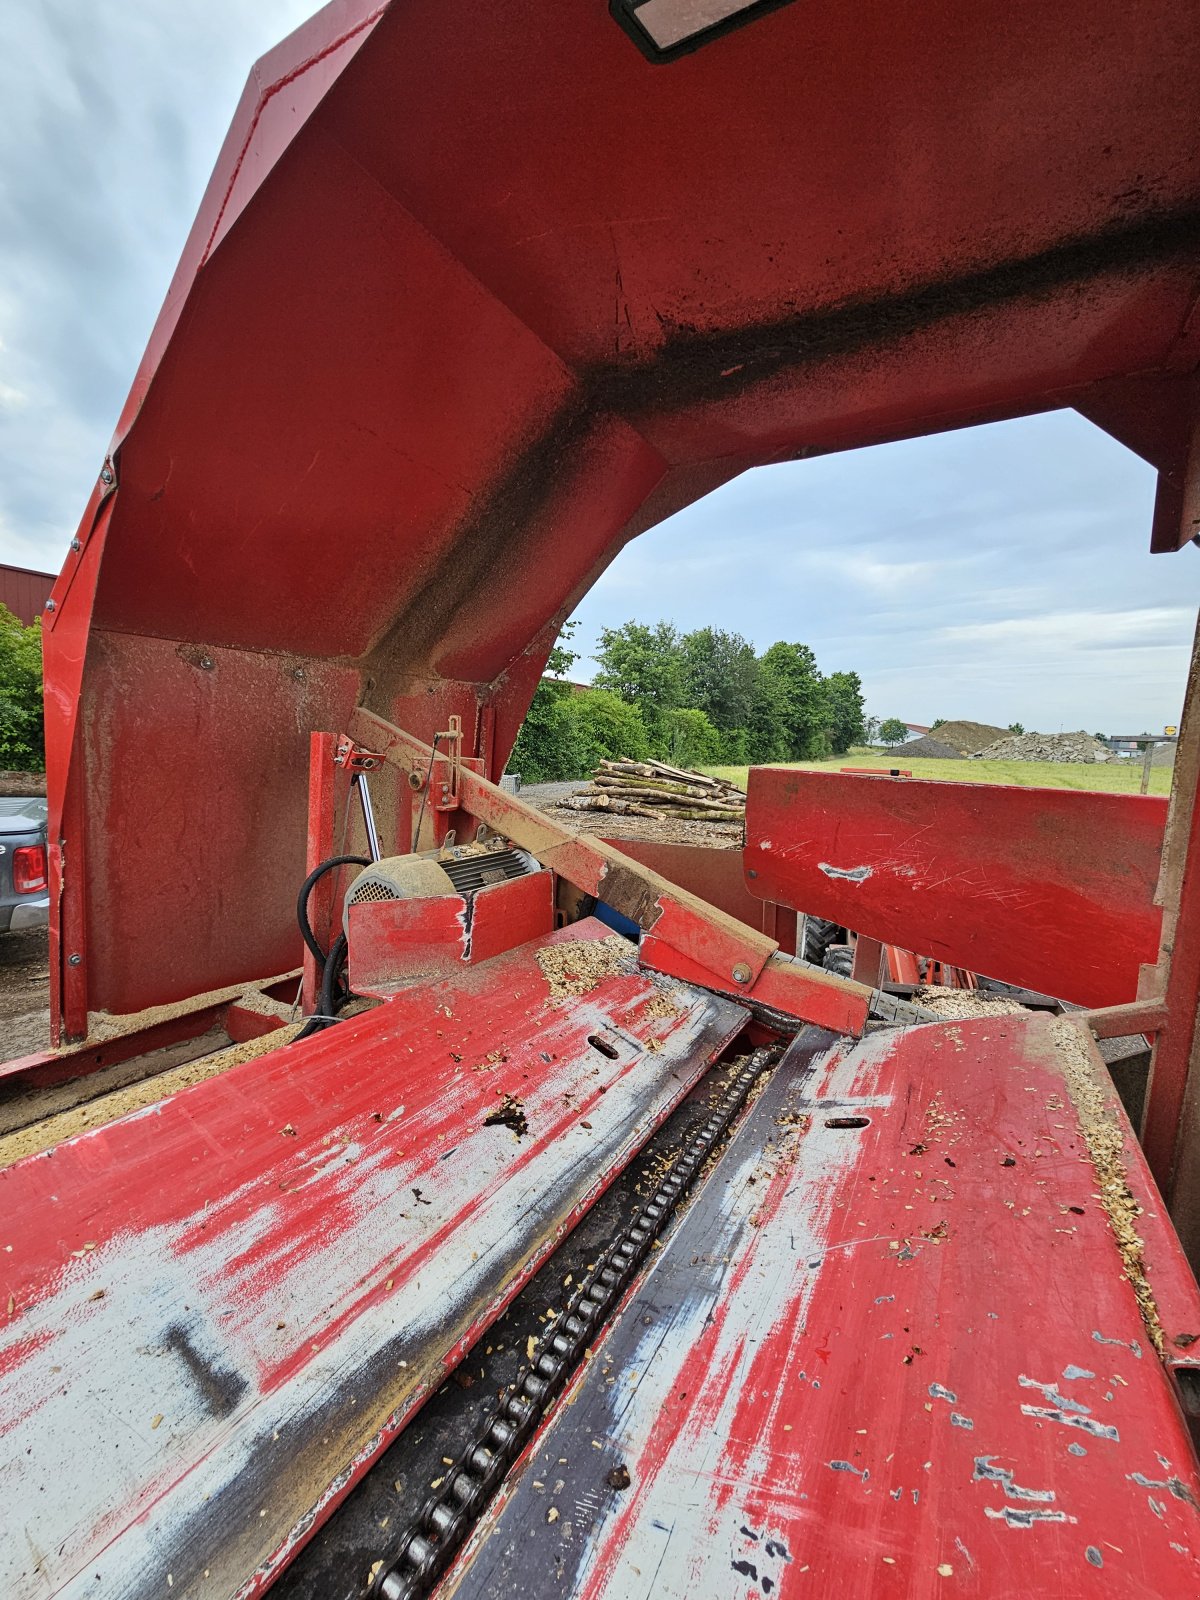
{"points": [[818, 936], [839, 958]]}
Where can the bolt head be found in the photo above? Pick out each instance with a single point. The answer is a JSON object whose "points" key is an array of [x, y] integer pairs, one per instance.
{"points": [[75, 960], [49, 605], [76, 546], [206, 662], [741, 973], [107, 475]]}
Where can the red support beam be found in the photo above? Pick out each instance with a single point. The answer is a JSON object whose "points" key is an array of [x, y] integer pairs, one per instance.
{"points": [[321, 791], [685, 935]]}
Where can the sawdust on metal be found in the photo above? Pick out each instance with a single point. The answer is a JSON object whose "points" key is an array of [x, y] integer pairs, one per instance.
{"points": [[575, 968], [39, 1136], [962, 1005], [104, 1025], [1105, 1139]]}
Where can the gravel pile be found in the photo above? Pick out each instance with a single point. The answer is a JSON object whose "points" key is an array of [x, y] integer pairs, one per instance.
{"points": [[927, 749], [1045, 747], [967, 737]]}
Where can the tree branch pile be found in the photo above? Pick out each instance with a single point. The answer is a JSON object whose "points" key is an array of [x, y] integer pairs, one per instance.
{"points": [[653, 789]]}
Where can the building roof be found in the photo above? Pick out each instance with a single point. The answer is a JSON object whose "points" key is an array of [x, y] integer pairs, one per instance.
{"points": [[25, 591]]}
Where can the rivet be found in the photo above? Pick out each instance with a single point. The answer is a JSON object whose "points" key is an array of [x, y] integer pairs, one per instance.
{"points": [[741, 973], [76, 546], [75, 960], [206, 662], [107, 475], [752, 873], [49, 605]]}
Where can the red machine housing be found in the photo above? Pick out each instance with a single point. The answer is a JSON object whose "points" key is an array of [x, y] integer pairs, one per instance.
{"points": [[476, 295]]}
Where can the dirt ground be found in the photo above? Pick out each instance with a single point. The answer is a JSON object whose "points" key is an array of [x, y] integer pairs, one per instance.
{"points": [[24, 992]]}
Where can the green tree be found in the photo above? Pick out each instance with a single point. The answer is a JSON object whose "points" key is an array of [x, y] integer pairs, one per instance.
{"points": [[805, 725], [767, 735], [892, 731], [692, 741], [22, 737], [1016, 727], [644, 666], [547, 748], [719, 672], [562, 658], [735, 747], [844, 706], [937, 723], [606, 728]]}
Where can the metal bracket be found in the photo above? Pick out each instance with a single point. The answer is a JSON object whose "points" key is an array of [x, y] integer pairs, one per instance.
{"points": [[354, 758], [451, 755]]}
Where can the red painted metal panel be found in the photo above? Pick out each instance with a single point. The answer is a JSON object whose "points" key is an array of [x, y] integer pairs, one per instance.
{"points": [[891, 1350], [508, 914], [1049, 888], [396, 942], [223, 1306]]}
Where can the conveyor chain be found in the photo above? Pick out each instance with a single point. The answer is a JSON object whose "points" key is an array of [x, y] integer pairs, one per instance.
{"points": [[430, 1544]]}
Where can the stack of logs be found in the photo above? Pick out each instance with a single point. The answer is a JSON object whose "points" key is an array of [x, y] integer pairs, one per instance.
{"points": [[653, 789]]}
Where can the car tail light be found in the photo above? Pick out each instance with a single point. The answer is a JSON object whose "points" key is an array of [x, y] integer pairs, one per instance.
{"points": [[29, 868]]}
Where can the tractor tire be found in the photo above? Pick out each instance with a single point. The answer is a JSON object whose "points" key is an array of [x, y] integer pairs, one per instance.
{"points": [[818, 936], [839, 958]]}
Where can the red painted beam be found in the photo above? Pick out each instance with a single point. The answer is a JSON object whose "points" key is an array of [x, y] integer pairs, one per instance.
{"points": [[1051, 889]]}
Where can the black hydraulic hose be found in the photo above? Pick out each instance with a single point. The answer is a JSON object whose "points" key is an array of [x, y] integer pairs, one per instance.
{"points": [[333, 995], [307, 888], [334, 991]]}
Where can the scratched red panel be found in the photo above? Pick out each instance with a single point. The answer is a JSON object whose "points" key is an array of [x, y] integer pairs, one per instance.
{"points": [[222, 1306], [893, 1359], [399, 941], [1051, 888]]}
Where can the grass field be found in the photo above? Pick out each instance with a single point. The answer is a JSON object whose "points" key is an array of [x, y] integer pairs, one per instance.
{"points": [[1115, 777]]}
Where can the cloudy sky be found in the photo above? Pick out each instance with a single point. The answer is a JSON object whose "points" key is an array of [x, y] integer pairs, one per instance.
{"points": [[999, 574]]}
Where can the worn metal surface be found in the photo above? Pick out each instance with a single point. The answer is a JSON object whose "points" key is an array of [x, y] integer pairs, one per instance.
{"points": [[1050, 888], [432, 1539], [611, 304], [222, 1307], [889, 1351], [394, 942]]}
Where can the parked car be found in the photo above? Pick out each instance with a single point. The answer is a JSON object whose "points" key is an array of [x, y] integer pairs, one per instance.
{"points": [[24, 885]]}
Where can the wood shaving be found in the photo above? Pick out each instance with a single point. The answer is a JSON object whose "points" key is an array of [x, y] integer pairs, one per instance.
{"points": [[105, 1025], [577, 966], [664, 1004], [964, 1004], [1105, 1139], [107, 1108]]}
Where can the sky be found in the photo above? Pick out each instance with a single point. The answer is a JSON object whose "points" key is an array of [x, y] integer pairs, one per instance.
{"points": [[997, 574]]}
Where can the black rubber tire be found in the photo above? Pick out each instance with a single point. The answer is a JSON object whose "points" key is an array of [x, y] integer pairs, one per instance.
{"points": [[818, 936], [839, 958]]}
